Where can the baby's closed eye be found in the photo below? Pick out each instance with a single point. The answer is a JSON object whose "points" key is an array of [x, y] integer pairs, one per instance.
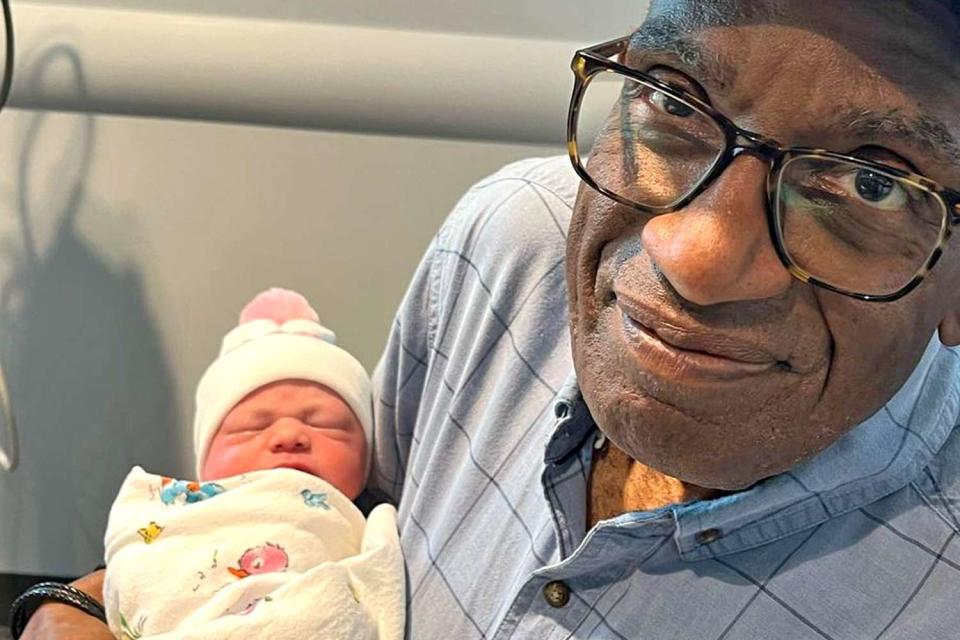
{"points": [[247, 421], [328, 420], [247, 425]]}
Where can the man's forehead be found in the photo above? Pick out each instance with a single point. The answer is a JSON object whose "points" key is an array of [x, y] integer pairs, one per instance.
{"points": [[899, 39], [901, 48], [902, 14]]}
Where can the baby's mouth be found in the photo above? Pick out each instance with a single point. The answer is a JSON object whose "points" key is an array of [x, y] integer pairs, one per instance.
{"points": [[299, 465]]}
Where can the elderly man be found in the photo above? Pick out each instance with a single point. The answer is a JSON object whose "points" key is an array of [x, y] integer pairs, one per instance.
{"points": [[761, 296]]}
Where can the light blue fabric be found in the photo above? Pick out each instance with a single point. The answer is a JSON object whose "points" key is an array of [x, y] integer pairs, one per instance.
{"points": [[482, 436]]}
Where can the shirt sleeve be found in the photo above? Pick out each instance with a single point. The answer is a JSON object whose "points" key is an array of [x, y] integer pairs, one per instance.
{"points": [[493, 250], [398, 380]]}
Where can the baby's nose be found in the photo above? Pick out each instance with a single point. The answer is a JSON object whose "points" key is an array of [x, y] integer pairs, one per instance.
{"points": [[289, 434]]}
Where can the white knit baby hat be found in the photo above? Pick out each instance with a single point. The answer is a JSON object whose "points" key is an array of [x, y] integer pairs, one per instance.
{"points": [[279, 337]]}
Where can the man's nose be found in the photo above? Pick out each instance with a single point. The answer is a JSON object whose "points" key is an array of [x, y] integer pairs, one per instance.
{"points": [[718, 248], [289, 434]]}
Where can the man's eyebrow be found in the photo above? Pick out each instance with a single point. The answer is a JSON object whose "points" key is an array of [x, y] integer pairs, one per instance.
{"points": [[922, 132], [660, 36]]}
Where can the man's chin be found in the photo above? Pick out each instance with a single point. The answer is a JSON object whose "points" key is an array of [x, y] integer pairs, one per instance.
{"points": [[729, 454], [717, 431]]}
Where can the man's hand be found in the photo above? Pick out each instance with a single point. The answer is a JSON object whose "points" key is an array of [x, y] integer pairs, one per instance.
{"points": [[55, 621]]}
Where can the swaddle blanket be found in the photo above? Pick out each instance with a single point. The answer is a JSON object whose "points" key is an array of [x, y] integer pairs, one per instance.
{"points": [[277, 554]]}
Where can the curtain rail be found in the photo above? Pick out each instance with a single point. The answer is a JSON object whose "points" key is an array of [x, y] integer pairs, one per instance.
{"points": [[295, 74]]}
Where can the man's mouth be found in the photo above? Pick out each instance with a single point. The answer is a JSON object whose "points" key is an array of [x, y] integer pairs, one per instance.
{"points": [[668, 350]]}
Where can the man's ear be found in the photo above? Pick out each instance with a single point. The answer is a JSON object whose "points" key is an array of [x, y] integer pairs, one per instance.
{"points": [[950, 328]]}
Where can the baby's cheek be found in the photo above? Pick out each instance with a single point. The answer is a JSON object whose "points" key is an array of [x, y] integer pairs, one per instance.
{"points": [[225, 460], [345, 465]]}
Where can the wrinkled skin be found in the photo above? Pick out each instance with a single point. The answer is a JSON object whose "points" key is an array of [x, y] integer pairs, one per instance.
{"points": [[707, 276]]}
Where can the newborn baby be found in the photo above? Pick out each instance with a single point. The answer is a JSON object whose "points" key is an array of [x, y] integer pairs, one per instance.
{"points": [[267, 544]]}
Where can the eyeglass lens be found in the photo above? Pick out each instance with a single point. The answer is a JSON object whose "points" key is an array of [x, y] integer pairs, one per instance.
{"points": [[855, 228], [646, 133]]}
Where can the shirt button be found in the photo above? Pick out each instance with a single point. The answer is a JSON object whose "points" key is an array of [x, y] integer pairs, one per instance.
{"points": [[556, 593], [708, 535]]}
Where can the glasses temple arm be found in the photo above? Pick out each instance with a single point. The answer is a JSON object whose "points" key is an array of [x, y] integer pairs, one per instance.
{"points": [[608, 49]]}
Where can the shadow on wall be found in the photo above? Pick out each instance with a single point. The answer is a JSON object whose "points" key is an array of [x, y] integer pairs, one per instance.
{"points": [[91, 387]]}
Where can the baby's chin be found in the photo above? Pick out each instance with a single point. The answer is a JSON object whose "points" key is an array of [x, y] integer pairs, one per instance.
{"points": [[346, 486], [213, 472]]}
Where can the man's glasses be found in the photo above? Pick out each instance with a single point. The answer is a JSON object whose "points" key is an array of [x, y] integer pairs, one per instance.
{"points": [[860, 228]]}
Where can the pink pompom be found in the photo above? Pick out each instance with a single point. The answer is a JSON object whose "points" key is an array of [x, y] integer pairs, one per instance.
{"points": [[279, 305]]}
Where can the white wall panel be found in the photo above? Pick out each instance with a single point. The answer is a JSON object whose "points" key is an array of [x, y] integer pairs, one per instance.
{"points": [[127, 247]]}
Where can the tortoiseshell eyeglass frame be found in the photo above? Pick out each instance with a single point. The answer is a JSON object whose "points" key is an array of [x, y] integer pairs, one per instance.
{"points": [[597, 59]]}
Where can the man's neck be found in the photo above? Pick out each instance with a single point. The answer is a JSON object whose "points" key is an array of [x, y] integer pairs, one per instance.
{"points": [[619, 484]]}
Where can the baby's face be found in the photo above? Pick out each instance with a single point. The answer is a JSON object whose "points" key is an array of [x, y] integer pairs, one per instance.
{"points": [[294, 424]]}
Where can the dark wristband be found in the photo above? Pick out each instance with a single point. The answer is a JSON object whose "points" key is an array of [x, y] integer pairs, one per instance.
{"points": [[27, 603]]}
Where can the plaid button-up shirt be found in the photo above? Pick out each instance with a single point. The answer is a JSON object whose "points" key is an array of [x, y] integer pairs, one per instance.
{"points": [[482, 436]]}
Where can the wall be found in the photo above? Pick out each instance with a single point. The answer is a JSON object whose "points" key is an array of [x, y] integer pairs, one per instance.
{"points": [[128, 244], [128, 247]]}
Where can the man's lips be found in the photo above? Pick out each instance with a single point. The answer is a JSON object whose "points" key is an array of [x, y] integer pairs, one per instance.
{"points": [[713, 356]]}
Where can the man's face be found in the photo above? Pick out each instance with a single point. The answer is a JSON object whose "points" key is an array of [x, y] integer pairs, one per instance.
{"points": [[696, 351], [291, 424]]}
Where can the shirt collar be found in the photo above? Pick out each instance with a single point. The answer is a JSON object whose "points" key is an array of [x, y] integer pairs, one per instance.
{"points": [[874, 459], [574, 422]]}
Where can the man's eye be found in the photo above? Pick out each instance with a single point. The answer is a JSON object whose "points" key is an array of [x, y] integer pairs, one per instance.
{"points": [[669, 105], [871, 186], [875, 189], [860, 188], [632, 88]]}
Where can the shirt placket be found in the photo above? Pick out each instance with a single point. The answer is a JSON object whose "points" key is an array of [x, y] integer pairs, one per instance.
{"points": [[561, 597], [570, 598]]}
